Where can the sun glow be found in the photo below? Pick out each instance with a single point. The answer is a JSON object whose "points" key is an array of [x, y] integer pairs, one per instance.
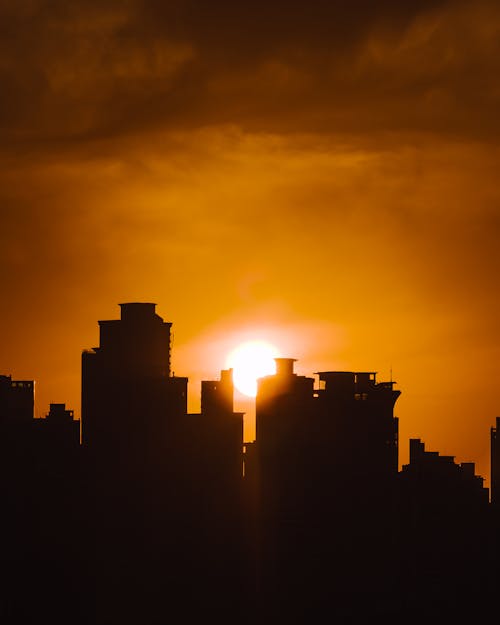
{"points": [[250, 361]]}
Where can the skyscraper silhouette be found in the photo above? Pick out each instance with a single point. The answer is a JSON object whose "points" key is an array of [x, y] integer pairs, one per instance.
{"points": [[327, 460], [165, 486], [495, 464]]}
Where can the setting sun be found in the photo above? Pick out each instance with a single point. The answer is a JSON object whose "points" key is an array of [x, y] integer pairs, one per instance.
{"points": [[250, 361]]}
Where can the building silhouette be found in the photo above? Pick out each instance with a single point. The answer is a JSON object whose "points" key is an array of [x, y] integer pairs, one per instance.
{"points": [[165, 485], [150, 514], [445, 542], [495, 464], [17, 400], [326, 458], [494, 529], [40, 487]]}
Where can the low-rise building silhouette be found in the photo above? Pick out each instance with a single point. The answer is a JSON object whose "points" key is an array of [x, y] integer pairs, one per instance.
{"points": [[445, 538], [17, 399], [40, 484]]}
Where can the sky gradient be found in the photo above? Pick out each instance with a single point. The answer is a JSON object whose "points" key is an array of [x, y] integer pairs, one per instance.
{"points": [[321, 174]]}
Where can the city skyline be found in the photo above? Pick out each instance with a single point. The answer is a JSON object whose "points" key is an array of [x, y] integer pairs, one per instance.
{"points": [[186, 186], [322, 175], [159, 513], [246, 404]]}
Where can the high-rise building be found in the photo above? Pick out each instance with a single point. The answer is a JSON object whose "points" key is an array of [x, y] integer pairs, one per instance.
{"points": [[129, 397], [495, 464], [326, 464], [164, 485], [317, 444], [131, 416], [221, 430]]}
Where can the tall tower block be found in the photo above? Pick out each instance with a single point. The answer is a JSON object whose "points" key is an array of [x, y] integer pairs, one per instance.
{"points": [[128, 394], [495, 464]]}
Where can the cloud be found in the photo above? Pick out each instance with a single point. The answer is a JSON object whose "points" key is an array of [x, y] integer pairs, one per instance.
{"points": [[78, 71]]}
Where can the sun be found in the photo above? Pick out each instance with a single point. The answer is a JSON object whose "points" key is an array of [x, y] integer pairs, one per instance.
{"points": [[250, 361]]}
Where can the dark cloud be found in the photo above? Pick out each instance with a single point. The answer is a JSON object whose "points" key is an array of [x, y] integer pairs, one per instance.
{"points": [[74, 71]]}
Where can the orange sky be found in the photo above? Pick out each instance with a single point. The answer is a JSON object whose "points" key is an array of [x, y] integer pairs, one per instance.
{"points": [[323, 174]]}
